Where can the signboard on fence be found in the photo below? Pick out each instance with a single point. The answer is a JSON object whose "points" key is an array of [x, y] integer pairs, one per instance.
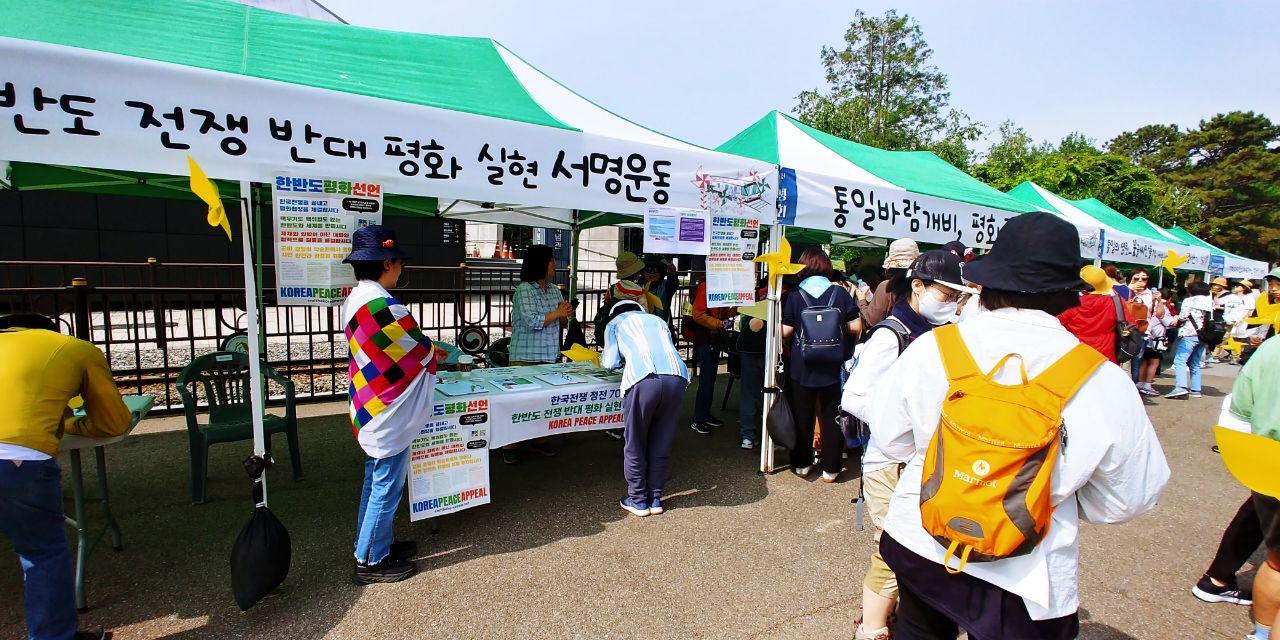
{"points": [[677, 231], [731, 274], [449, 460], [315, 218]]}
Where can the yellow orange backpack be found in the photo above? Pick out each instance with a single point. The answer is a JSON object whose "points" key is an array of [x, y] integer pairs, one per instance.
{"points": [[985, 489]]}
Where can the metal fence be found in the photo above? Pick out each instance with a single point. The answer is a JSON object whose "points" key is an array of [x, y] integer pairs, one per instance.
{"points": [[151, 321]]}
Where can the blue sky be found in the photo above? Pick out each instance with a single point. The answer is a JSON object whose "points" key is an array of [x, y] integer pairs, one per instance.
{"points": [[702, 71]]}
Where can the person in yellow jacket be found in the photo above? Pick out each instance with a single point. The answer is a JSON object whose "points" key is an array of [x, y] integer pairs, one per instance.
{"points": [[42, 371]]}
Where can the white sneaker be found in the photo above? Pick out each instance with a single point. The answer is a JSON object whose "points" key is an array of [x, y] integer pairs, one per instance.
{"points": [[748, 444], [861, 633], [803, 472], [829, 477]]}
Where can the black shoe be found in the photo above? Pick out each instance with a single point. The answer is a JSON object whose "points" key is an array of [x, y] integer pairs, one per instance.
{"points": [[389, 570], [403, 550], [92, 633], [714, 422], [701, 427], [544, 449], [1207, 591], [510, 456]]}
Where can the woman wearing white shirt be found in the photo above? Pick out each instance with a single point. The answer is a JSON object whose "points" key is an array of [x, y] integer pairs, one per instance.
{"points": [[1196, 311], [927, 297], [1236, 307]]}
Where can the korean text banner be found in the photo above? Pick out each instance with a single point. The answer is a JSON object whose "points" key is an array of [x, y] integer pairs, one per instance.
{"points": [[849, 207], [64, 105], [449, 459], [315, 218], [731, 272]]}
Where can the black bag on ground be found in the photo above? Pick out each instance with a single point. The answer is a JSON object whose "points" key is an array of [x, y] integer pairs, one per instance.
{"points": [[820, 337], [1129, 338], [1213, 330], [262, 552], [780, 421]]}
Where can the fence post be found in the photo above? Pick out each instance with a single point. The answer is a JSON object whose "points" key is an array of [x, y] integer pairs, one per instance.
{"points": [[80, 287], [157, 303]]}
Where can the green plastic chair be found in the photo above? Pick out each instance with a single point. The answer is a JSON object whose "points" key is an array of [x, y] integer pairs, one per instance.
{"points": [[221, 379]]}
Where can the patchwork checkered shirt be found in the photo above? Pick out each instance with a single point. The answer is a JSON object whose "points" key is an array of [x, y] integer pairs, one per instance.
{"points": [[388, 352]]}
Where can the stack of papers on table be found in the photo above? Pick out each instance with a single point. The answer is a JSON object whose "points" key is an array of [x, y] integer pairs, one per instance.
{"points": [[559, 379], [462, 388], [515, 383]]}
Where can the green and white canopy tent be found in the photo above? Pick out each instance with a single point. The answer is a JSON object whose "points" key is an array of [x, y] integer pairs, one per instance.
{"points": [[138, 85], [103, 92], [1222, 262], [832, 184], [1105, 234], [1147, 243]]}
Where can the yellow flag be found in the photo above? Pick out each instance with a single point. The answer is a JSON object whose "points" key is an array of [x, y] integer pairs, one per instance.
{"points": [[1268, 313], [206, 190]]}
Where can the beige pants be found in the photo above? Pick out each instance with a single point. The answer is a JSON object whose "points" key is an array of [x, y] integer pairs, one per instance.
{"points": [[877, 488]]}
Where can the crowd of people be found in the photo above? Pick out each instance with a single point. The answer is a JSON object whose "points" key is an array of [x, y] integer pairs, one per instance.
{"points": [[954, 385]]}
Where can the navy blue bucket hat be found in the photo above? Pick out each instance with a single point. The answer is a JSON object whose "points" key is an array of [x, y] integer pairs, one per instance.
{"points": [[374, 243]]}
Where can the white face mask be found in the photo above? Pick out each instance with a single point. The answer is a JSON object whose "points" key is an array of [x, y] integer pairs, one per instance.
{"points": [[934, 310]]}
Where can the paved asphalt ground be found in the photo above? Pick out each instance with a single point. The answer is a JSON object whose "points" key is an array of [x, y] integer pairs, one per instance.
{"points": [[736, 555]]}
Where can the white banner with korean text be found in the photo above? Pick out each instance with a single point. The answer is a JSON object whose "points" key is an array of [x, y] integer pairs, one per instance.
{"points": [[70, 106]]}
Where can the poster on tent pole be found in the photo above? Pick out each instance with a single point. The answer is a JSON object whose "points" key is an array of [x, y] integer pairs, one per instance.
{"points": [[668, 230], [315, 218], [731, 274]]}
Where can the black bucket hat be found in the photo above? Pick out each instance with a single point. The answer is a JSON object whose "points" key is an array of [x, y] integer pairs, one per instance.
{"points": [[1034, 253], [374, 243]]}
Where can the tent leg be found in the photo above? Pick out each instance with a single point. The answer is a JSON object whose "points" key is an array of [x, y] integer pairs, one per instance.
{"points": [[257, 390], [772, 352], [575, 233]]}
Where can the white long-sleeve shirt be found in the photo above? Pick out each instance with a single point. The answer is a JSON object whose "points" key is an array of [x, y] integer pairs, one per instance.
{"points": [[874, 359], [1112, 469]]}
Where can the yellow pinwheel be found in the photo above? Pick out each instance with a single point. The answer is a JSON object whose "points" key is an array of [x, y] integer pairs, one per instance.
{"points": [[1232, 345], [779, 262], [1173, 261], [579, 353], [1268, 313]]}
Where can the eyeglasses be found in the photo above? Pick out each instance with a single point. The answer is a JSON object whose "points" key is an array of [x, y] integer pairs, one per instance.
{"points": [[947, 294], [1135, 278]]}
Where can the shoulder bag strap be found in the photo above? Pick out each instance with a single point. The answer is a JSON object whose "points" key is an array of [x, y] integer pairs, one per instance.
{"points": [[1065, 377], [956, 359]]}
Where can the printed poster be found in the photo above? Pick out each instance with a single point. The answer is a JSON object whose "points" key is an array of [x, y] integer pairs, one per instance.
{"points": [[677, 231], [731, 274], [449, 460], [315, 218]]}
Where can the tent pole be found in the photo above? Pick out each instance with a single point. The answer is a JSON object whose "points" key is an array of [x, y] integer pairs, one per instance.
{"points": [[575, 231], [1102, 246], [256, 388], [772, 352], [258, 263]]}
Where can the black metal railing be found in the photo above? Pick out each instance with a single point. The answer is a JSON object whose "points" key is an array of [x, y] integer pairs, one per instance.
{"points": [[150, 322]]}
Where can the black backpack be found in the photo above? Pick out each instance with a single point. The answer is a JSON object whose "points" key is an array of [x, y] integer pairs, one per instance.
{"points": [[1213, 330], [820, 338], [1129, 338]]}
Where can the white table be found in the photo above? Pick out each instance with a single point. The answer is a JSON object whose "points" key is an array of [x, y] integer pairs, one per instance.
{"points": [[73, 445]]}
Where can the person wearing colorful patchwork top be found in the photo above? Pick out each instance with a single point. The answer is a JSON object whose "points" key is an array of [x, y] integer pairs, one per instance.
{"points": [[392, 373]]}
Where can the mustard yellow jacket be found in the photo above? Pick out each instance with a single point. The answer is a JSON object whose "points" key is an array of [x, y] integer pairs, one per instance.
{"points": [[40, 371]]}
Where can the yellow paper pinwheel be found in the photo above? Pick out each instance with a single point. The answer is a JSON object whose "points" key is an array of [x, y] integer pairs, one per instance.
{"points": [[1232, 345], [779, 262], [206, 190], [579, 353], [1268, 313], [1173, 261]]}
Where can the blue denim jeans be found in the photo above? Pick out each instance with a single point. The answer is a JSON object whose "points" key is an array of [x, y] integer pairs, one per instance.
{"points": [[31, 517], [1135, 365], [1189, 354], [708, 360], [384, 480], [751, 396]]}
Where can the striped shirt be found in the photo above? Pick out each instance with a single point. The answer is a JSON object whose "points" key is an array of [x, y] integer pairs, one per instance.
{"points": [[532, 340], [641, 342]]}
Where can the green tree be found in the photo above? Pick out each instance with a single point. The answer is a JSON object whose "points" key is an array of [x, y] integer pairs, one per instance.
{"points": [[1230, 165], [882, 91]]}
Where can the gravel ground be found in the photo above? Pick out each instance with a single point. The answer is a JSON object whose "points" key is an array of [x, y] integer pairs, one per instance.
{"points": [[737, 555]]}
